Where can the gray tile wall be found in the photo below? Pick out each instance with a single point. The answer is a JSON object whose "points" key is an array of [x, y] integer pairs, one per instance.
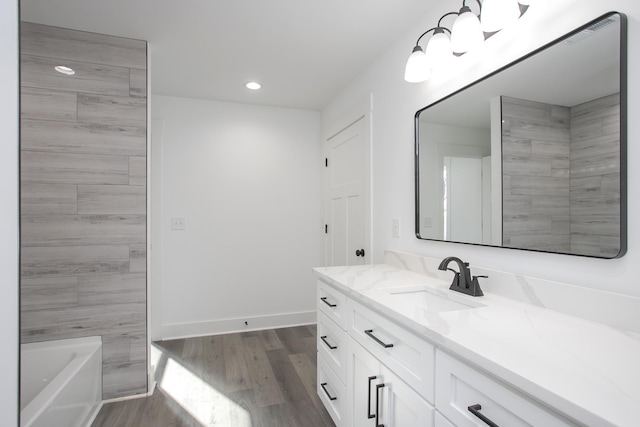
{"points": [[535, 164], [83, 197], [561, 176], [595, 177]]}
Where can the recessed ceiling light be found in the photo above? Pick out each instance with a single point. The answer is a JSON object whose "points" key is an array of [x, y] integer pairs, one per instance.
{"points": [[65, 70], [253, 85]]}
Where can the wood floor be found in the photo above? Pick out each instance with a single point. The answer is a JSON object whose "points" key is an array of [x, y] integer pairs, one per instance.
{"points": [[251, 379]]}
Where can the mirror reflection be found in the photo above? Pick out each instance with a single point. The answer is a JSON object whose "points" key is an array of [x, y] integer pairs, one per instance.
{"points": [[532, 157]]}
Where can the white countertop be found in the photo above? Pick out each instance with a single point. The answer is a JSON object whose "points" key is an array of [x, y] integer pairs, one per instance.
{"points": [[587, 371]]}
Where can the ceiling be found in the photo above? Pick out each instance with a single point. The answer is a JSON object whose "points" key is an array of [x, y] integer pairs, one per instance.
{"points": [[303, 52]]}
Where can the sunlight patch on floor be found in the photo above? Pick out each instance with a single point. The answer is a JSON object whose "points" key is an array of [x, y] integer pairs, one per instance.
{"points": [[206, 404]]}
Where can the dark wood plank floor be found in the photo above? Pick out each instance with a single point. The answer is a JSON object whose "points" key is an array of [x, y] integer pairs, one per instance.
{"points": [[251, 379]]}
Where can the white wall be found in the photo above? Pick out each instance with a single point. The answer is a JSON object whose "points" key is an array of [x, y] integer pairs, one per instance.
{"points": [[246, 180], [396, 101], [9, 213]]}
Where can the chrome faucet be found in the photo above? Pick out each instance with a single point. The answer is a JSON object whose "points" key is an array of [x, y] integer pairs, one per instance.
{"points": [[462, 279]]}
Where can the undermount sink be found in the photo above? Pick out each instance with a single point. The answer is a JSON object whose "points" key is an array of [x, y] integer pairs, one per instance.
{"points": [[425, 298]]}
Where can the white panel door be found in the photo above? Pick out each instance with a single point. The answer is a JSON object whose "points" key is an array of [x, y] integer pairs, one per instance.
{"points": [[346, 207], [464, 199]]}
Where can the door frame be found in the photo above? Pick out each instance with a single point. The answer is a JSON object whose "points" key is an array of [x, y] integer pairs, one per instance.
{"points": [[361, 110]]}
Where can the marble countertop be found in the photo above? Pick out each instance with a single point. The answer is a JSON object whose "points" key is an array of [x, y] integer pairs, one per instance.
{"points": [[583, 369]]}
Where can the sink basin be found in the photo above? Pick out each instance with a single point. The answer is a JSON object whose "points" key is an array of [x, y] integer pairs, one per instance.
{"points": [[425, 298]]}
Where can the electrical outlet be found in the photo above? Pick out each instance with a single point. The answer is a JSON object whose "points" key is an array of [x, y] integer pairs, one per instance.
{"points": [[177, 223]]}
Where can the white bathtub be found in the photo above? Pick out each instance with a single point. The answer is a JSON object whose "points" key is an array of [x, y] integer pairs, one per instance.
{"points": [[60, 382]]}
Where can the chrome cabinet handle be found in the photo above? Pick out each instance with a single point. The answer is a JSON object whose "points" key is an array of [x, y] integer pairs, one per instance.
{"points": [[324, 339], [324, 387], [324, 300], [378, 387], [369, 414], [369, 332], [475, 410]]}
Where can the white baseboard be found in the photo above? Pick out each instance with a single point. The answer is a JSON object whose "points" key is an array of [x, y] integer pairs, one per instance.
{"points": [[130, 397], [226, 326]]}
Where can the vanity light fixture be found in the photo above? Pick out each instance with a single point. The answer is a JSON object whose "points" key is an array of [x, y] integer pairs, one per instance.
{"points": [[253, 85], [65, 70], [467, 33]]}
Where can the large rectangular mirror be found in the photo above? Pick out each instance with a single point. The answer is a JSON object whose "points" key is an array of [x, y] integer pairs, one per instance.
{"points": [[532, 156]]}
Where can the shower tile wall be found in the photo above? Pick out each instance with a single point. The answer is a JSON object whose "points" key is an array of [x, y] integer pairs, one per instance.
{"points": [[561, 176], [83, 196], [595, 177], [535, 170]]}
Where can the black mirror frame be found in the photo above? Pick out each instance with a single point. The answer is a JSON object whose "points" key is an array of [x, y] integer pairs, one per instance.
{"points": [[623, 137]]}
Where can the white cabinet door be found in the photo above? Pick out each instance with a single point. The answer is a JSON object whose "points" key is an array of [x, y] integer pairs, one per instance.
{"points": [[363, 377], [377, 396], [401, 406]]}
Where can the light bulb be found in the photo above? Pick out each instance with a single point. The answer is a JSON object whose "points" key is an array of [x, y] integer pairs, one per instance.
{"points": [[466, 33], [439, 48], [417, 69], [498, 14]]}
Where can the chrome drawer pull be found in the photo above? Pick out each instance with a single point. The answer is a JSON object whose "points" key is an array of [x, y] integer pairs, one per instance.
{"points": [[324, 387], [324, 339], [475, 410], [369, 332], [324, 300]]}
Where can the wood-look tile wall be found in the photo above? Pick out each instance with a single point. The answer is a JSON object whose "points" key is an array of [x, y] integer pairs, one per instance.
{"points": [[561, 176], [535, 165], [83, 197], [595, 177]]}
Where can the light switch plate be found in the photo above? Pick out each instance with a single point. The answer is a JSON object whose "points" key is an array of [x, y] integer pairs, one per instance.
{"points": [[177, 223], [395, 227]]}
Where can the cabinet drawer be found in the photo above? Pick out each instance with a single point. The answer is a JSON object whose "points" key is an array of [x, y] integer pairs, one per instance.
{"points": [[460, 387], [333, 303], [332, 392], [406, 354], [332, 346]]}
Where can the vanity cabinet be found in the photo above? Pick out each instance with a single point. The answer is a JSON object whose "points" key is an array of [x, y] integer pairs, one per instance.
{"points": [[370, 370], [373, 371]]}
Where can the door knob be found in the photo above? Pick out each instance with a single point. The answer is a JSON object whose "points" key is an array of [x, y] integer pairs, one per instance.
{"points": [[360, 252]]}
